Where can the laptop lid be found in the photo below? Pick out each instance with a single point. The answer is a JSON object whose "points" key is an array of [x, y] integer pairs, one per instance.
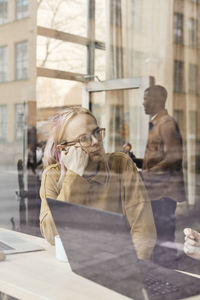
{"points": [[10, 243], [99, 247]]}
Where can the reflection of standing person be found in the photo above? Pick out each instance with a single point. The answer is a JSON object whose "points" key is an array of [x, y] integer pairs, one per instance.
{"points": [[162, 170], [79, 171]]}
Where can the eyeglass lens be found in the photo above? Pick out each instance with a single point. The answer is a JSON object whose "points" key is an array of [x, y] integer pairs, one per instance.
{"points": [[86, 140]]}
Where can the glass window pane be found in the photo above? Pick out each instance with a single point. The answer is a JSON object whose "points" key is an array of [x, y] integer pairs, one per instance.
{"points": [[192, 124], [3, 11], [3, 122], [178, 28], [179, 117], [21, 9], [3, 64], [141, 41], [19, 121], [21, 61], [178, 76], [193, 78], [57, 93], [100, 20], [100, 61], [68, 16], [59, 55], [192, 26], [120, 112]]}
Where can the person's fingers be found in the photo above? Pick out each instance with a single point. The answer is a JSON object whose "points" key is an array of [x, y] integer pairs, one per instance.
{"points": [[62, 155], [71, 149], [76, 160], [66, 149], [66, 156], [71, 152], [196, 236], [188, 241], [188, 249], [192, 234], [83, 155], [187, 231]]}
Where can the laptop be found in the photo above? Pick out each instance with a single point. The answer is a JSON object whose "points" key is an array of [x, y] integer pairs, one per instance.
{"points": [[99, 247], [10, 243]]}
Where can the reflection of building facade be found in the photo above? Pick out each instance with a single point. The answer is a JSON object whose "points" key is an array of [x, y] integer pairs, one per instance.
{"points": [[186, 84], [142, 44], [17, 75]]}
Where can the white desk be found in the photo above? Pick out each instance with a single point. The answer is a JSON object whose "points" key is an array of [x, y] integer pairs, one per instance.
{"points": [[39, 275]]}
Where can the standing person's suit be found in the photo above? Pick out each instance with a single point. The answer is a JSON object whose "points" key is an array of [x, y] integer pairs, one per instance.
{"points": [[162, 173]]}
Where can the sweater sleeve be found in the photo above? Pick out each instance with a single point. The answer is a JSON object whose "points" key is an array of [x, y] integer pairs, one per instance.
{"points": [[137, 208], [73, 189]]}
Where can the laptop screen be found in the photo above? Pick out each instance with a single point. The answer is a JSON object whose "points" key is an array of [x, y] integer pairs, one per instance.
{"points": [[99, 246]]}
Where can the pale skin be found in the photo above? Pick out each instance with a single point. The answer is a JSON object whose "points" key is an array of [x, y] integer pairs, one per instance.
{"points": [[77, 158], [127, 148], [192, 243]]}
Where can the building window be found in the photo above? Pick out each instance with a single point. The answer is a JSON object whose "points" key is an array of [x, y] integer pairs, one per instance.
{"points": [[21, 61], [178, 76], [192, 27], [179, 115], [193, 72], [178, 28], [192, 124], [21, 9], [3, 63], [19, 120], [3, 122], [3, 11]]}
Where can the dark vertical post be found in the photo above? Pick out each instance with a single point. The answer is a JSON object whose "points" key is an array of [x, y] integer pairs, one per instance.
{"points": [[22, 194], [91, 37]]}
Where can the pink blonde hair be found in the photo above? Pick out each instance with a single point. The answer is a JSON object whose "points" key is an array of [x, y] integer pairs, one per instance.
{"points": [[59, 123]]}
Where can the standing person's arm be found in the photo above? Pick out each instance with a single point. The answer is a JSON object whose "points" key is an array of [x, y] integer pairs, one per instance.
{"points": [[137, 208]]}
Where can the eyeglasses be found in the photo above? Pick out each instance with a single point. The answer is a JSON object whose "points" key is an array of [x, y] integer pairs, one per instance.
{"points": [[85, 140]]}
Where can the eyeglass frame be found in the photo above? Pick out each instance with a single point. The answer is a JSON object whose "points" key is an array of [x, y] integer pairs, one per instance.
{"points": [[72, 143]]}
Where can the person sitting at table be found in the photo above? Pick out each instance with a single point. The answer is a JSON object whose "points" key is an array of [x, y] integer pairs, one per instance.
{"points": [[79, 171], [192, 243], [127, 149]]}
